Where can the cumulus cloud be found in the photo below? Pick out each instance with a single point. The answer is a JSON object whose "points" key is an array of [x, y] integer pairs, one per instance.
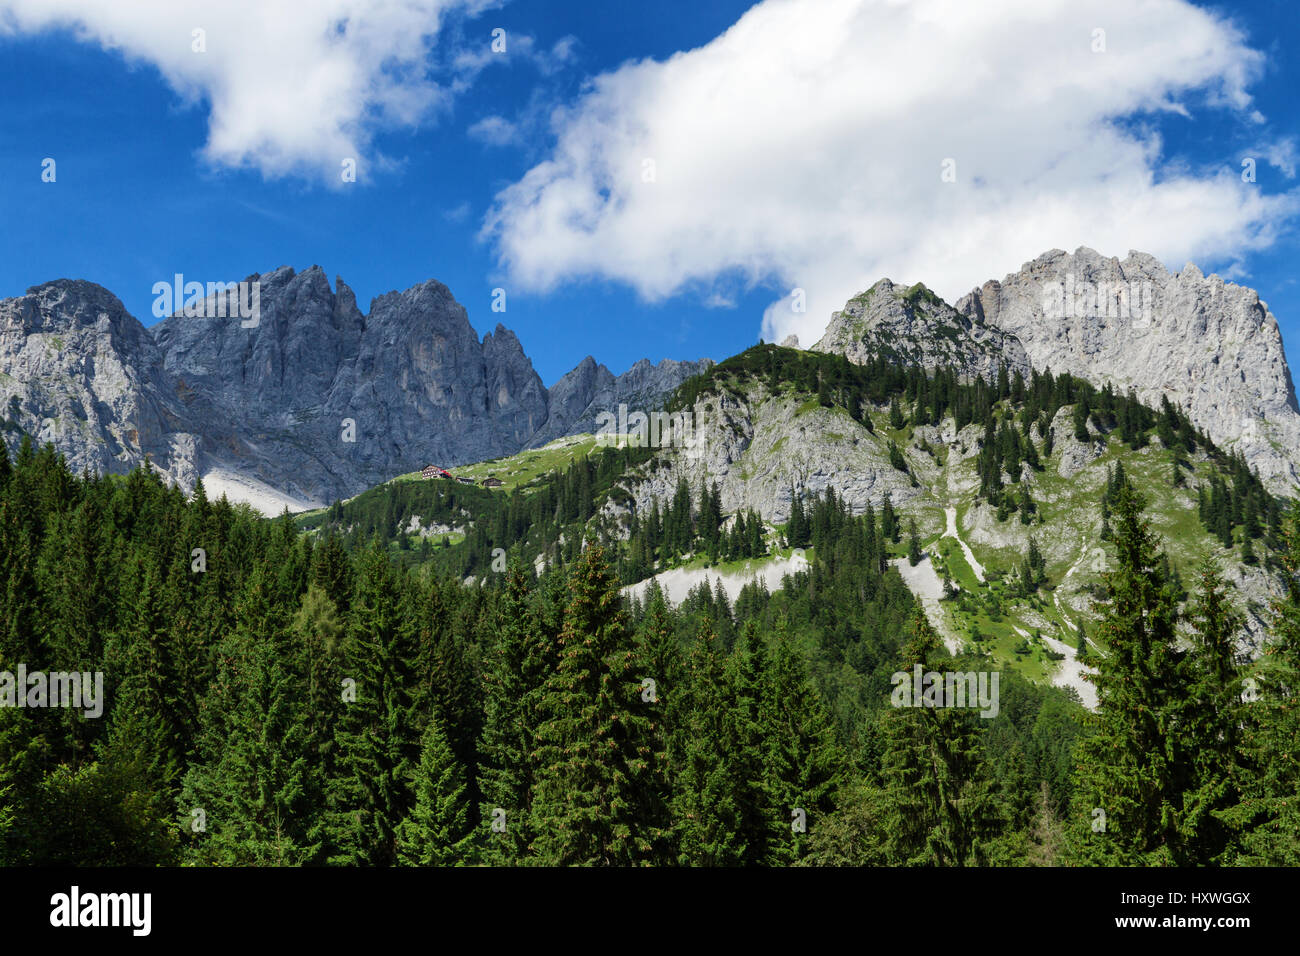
{"points": [[806, 148], [294, 88]]}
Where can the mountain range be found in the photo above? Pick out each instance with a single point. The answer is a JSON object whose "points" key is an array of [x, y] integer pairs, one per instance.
{"points": [[315, 401], [319, 400]]}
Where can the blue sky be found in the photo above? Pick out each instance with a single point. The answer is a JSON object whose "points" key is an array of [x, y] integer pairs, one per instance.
{"points": [[752, 194]]}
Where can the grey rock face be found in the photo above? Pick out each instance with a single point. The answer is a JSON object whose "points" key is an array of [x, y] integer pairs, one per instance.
{"points": [[760, 448], [409, 383], [914, 326], [579, 398], [78, 370], [1211, 347], [316, 400]]}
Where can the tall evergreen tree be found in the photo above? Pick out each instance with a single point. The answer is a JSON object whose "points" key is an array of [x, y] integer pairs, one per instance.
{"points": [[1130, 768], [506, 772], [438, 831], [1210, 720], [1268, 813], [941, 810], [378, 735], [252, 798], [599, 754]]}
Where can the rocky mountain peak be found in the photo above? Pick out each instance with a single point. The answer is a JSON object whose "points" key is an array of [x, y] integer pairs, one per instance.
{"points": [[313, 400], [912, 325], [1210, 346]]}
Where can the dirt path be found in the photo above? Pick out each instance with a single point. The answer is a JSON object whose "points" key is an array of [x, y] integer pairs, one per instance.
{"points": [[1069, 672], [951, 514], [1056, 595]]}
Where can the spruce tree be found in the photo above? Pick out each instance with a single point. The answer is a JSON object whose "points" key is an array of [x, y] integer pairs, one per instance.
{"points": [[1268, 813], [1210, 720], [598, 753], [807, 768], [713, 786], [761, 821], [378, 736], [1129, 769], [437, 833], [253, 786], [505, 770], [941, 810]]}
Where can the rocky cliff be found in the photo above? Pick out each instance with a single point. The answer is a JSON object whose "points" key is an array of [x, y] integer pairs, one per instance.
{"points": [[914, 326], [1211, 347], [78, 370], [579, 398], [315, 400]]}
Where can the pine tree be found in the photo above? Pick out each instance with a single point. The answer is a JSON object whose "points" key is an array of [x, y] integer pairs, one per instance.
{"points": [[437, 833], [253, 786], [896, 459], [760, 820], [798, 532], [1211, 716], [1129, 769], [896, 421], [806, 767], [889, 525], [378, 737], [1080, 416], [664, 696], [941, 810], [713, 784], [1268, 813], [913, 544], [505, 770], [599, 754]]}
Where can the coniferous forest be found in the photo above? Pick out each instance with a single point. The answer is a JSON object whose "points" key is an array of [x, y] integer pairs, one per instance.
{"points": [[275, 698]]}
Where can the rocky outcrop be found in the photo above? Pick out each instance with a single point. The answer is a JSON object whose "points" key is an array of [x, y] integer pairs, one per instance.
{"points": [[77, 370], [914, 326], [315, 400], [319, 400], [579, 398], [1211, 347], [762, 448]]}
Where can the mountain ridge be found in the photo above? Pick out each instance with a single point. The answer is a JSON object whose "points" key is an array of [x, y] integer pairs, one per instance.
{"points": [[315, 401], [320, 400]]}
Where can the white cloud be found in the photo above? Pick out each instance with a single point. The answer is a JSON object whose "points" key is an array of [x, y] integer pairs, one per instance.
{"points": [[294, 88], [494, 131], [804, 148], [511, 48], [1282, 154]]}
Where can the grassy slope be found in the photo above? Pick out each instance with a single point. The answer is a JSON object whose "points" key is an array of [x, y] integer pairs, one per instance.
{"points": [[1067, 530]]}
